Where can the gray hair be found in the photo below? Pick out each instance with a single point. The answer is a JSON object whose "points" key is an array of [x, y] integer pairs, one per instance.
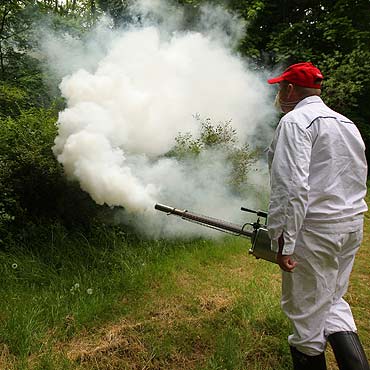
{"points": [[303, 92]]}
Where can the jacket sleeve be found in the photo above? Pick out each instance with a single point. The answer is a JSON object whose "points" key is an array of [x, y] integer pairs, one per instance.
{"points": [[289, 174]]}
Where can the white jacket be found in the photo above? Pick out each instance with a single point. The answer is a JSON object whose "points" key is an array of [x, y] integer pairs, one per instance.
{"points": [[318, 173]]}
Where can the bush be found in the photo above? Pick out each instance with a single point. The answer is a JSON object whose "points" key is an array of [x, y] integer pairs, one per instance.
{"points": [[33, 188], [221, 136]]}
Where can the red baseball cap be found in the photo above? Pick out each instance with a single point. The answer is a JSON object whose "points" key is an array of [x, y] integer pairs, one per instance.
{"points": [[302, 74]]}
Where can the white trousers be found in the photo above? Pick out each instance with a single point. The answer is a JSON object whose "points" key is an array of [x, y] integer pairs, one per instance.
{"points": [[312, 295]]}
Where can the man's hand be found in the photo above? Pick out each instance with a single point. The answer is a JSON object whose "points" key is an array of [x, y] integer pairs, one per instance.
{"points": [[286, 263]]}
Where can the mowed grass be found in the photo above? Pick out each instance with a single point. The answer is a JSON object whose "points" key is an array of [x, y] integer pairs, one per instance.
{"points": [[113, 301]]}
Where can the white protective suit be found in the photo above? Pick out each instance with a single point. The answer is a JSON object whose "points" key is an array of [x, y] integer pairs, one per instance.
{"points": [[318, 183]]}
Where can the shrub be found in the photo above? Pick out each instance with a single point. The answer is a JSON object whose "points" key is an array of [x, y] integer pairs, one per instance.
{"points": [[221, 136], [33, 187]]}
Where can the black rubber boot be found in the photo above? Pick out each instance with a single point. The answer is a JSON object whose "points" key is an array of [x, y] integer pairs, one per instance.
{"points": [[348, 351], [305, 362]]}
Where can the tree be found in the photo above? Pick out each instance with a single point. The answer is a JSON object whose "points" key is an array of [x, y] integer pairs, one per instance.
{"points": [[117, 9], [33, 187], [333, 35]]}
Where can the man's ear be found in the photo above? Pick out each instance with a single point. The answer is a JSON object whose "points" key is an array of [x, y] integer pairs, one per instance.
{"points": [[290, 89]]}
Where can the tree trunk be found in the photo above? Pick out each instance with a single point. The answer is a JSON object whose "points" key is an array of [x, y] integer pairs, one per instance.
{"points": [[93, 8], [2, 26], [2, 61]]}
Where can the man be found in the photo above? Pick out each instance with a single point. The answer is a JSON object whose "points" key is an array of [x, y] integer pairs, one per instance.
{"points": [[318, 183]]}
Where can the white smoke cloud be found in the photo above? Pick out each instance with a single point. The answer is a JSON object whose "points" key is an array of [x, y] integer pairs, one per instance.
{"points": [[129, 97]]}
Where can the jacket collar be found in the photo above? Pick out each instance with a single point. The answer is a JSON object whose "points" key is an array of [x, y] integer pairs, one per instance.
{"points": [[309, 100]]}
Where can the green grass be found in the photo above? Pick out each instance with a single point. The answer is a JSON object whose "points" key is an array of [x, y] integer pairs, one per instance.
{"points": [[113, 301]]}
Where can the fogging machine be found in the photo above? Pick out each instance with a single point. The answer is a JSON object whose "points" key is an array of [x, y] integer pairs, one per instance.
{"points": [[257, 233]]}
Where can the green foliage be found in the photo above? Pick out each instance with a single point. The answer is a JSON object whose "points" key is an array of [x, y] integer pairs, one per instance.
{"points": [[347, 89], [221, 137], [221, 134], [333, 35], [117, 9], [23, 83], [16, 19], [210, 136], [348, 82], [33, 187], [11, 98], [23, 93]]}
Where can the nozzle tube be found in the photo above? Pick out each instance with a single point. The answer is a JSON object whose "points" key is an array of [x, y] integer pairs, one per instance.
{"points": [[206, 220]]}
